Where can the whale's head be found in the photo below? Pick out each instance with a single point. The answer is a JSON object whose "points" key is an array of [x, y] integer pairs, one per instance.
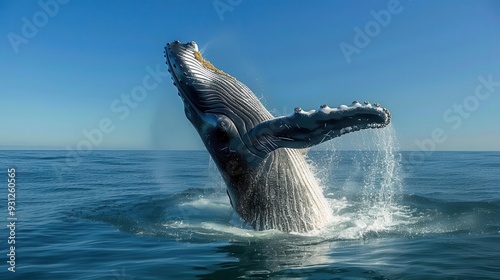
{"points": [[229, 117], [221, 108], [243, 138], [186, 72]]}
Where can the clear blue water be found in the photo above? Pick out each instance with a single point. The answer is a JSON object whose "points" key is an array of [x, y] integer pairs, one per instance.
{"points": [[165, 215]]}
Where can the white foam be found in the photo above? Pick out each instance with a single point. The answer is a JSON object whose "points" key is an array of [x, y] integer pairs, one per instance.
{"points": [[378, 210], [240, 232]]}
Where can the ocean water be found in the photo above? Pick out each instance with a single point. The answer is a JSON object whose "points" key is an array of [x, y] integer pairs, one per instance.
{"points": [[165, 215]]}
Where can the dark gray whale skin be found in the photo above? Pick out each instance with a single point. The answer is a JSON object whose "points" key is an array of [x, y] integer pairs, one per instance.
{"points": [[261, 157]]}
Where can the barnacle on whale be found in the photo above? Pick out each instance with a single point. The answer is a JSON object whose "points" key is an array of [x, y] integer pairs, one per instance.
{"points": [[207, 64]]}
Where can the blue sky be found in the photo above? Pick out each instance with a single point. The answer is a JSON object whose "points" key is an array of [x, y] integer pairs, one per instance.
{"points": [[70, 76]]}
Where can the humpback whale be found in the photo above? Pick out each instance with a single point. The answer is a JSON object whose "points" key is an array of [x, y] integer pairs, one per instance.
{"points": [[261, 157]]}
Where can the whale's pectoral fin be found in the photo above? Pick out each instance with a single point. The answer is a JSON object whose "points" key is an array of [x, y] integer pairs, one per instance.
{"points": [[308, 128]]}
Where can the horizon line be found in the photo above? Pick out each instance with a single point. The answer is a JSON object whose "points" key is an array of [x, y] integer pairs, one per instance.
{"points": [[29, 148]]}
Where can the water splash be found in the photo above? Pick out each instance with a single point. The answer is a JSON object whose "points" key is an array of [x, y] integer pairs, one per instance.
{"points": [[215, 180], [382, 185], [374, 177], [363, 175]]}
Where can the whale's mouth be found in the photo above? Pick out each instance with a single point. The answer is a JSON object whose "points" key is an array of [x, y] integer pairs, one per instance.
{"points": [[181, 63], [206, 89], [199, 82]]}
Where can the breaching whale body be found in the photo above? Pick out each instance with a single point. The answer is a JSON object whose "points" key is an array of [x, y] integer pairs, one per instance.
{"points": [[259, 156]]}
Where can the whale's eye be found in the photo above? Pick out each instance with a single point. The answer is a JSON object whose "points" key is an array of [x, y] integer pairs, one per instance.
{"points": [[223, 125], [223, 131]]}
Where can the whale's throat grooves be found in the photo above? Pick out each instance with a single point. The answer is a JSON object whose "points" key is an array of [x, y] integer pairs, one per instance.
{"points": [[285, 195], [269, 182]]}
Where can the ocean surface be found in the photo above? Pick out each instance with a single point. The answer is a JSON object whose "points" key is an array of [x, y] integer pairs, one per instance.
{"points": [[165, 215]]}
